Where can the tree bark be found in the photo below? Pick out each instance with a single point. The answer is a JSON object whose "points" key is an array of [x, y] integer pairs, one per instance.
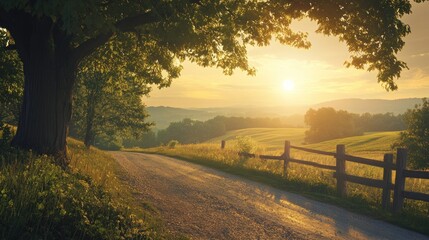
{"points": [[49, 77]]}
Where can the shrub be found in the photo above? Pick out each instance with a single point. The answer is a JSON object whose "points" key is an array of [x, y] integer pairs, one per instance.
{"points": [[108, 142], [245, 144], [172, 144]]}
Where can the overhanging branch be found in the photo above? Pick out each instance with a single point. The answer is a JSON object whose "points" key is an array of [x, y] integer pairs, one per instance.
{"points": [[125, 25], [129, 24]]}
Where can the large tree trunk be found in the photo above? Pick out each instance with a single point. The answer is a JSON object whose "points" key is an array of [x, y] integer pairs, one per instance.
{"points": [[49, 78]]}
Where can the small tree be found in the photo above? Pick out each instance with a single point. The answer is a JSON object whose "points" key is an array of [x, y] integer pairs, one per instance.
{"points": [[327, 123], [172, 144], [108, 104], [416, 136]]}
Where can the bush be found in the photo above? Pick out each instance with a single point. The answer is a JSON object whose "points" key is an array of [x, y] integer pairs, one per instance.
{"points": [[39, 200], [245, 144], [108, 142], [327, 124], [172, 144]]}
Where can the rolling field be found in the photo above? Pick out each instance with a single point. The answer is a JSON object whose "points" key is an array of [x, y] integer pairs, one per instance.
{"points": [[372, 145], [368, 144], [270, 138]]}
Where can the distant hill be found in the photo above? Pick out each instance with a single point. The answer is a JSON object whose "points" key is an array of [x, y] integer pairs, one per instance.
{"points": [[293, 115], [355, 105], [163, 116]]}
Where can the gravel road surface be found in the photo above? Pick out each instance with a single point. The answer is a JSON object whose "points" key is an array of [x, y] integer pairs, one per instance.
{"points": [[204, 203]]}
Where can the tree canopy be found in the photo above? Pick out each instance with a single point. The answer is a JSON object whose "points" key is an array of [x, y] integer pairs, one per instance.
{"points": [[108, 94], [215, 33], [106, 108], [53, 38], [327, 123]]}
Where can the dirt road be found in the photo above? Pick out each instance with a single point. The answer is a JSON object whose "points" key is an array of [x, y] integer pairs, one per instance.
{"points": [[203, 203]]}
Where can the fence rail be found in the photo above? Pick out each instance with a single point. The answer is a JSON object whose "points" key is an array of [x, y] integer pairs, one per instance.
{"points": [[366, 161], [398, 187], [363, 180], [416, 174], [416, 196], [314, 164]]}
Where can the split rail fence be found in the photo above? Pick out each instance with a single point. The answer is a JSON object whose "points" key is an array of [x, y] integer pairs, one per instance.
{"points": [[398, 187]]}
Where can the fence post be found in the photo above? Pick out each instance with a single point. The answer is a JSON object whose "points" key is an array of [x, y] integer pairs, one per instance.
{"points": [[387, 180], [222, 144], [341, 169], [286, 157], [401, 163]]}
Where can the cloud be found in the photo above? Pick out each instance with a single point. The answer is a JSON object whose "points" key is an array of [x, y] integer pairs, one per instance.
{"points": [[425, 54]]}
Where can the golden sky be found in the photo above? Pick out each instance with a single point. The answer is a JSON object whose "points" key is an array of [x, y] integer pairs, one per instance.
{"points": [[290, 76]]}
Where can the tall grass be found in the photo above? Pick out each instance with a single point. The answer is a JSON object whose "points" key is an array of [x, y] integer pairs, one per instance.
{"points": [[106, 172], [313, 181], [39, 200]]}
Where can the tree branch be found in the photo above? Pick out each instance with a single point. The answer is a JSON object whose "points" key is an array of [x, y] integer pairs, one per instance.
{"points": [[125, 25], [130, 23]]}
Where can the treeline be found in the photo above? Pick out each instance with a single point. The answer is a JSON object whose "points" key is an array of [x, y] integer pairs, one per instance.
{"points": [[194, 131], [325, 124], [379, 122], [328, 123]]}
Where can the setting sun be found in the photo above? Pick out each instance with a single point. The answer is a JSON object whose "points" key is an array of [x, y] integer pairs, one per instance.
{"points": [[288, 85]]}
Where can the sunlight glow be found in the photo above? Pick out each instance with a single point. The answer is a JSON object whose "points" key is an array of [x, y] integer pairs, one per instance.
{"points": [[288, 85]]}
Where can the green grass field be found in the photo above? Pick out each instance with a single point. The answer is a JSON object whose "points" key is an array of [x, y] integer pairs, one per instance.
{"points": [[373, 144], [308, 180], [270, 138]]}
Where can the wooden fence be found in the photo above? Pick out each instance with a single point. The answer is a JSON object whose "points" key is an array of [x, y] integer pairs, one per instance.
{"points": [[398, 187]]}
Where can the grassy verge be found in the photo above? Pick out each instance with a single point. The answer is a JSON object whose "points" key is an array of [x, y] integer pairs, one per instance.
{"points": [[314, 183], [105, 172], [39, 200]]}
